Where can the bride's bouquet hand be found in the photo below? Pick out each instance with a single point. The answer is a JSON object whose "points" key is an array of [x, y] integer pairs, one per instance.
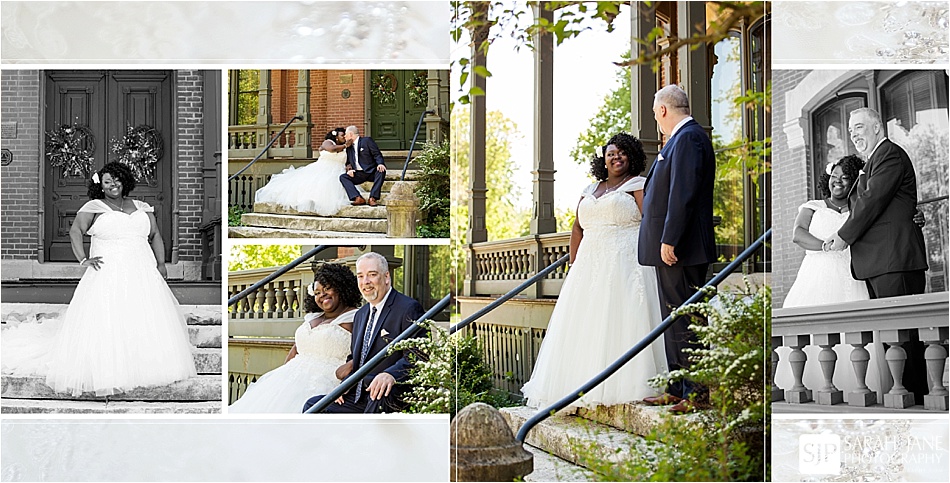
{"points": [[94, 262]]}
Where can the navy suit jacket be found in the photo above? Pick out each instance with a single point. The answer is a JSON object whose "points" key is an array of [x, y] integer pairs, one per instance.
{"points": [[678, 200], [367, 155], [880, 228], [396, 315]]}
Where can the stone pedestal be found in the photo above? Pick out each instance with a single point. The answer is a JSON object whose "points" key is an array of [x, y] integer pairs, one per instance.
{"points": [[860, 357], [483, 448], [828, 394], [798, 393], [402, 211]]}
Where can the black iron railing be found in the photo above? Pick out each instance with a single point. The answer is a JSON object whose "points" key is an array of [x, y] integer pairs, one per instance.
{"points": [[374, 361], [639, 346], [271, 143], [413, 144]]}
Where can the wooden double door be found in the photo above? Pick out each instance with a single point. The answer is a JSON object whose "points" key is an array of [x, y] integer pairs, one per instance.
{"points": [[106, 102], [394, 117]]}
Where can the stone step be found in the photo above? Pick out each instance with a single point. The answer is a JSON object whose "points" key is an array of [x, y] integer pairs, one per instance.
{"points": [[367, 186], [570, 437], [208, 361], [42, 406], [205, 336], [198, 388], [314, 223], [548, 467], [362, 212], [262, 232], [636, 418]]}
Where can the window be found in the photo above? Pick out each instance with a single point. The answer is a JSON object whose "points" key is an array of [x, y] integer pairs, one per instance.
{"points": [[243, 88], [830, 134]]}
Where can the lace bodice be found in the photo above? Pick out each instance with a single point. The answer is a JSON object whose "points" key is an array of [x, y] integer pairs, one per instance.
{"points": [[327, 340], [614, 209], [825, 222]]}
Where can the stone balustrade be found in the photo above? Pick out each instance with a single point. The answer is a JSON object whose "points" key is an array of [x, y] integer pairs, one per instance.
{"points": [[248, 141], [494, 268], [280, 299], [808, 342]]}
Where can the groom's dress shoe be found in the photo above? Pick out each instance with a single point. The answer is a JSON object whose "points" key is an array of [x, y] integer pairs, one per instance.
{"points": [[662, 400], [372, 201], [359, 201], [683, 407]]}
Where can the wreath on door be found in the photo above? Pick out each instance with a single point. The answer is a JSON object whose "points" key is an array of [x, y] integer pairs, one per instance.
{"points": [[418, 89], [140, 149], [71, 148], [383, 88]]}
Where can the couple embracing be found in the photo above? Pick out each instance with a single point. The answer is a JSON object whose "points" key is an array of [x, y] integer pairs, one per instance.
{"points": [[639, 248], [328, 184]]}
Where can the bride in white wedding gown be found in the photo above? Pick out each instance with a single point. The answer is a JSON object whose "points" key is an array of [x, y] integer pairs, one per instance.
{"points": [[317, 361], [608, 301], [314, 188], [123, 327]]}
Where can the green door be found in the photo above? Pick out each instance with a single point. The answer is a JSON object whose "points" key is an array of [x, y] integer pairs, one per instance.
{"points": [[399, 98]]}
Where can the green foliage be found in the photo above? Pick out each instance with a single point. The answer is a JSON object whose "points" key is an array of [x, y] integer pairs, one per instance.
{"points": [[434, 191], [247, 257], [448, 373], [612, 117], [724, 442], [234, 216]]}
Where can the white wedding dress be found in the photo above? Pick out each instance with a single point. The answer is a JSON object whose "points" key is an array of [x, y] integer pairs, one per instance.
{"points": [[607, 304], [123, 327], [312, 372], [314, 188], [825, 277]]}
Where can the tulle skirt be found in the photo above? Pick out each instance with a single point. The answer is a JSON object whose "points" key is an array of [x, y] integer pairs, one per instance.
{"points": [[825, 278], [314, 188], [286, 388]]}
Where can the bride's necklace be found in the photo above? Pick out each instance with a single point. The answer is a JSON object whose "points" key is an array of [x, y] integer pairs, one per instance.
{"points": [[837, 207], [621, 183], [119, 207]]}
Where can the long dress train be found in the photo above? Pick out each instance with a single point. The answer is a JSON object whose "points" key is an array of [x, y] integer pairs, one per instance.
{"points": [[607, 304], [123, 327], [314, 188]]}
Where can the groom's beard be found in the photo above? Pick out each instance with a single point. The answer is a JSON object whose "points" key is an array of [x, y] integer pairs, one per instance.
{"points": [[370, 297]]}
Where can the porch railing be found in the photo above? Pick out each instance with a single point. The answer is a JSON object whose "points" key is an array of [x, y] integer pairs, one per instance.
{"points": [[412, 145], [497, 267], [291, 141], [827, 330]]}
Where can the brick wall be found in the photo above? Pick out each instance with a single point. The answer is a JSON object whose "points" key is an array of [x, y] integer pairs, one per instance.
{"points": [[20, 181], [340, 111], [790, 182], [190, 146]]}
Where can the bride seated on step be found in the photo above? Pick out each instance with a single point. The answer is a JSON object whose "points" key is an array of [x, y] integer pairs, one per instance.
{"points": [[314, 188]]}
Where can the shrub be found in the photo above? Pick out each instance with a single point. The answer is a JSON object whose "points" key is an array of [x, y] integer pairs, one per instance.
{"points": [[234, 216], [434, 191]]}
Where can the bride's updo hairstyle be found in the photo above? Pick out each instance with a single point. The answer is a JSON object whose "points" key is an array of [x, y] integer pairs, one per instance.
{"points": [[333, 134], [630, 146], [341, 279], [851, 166], [119, 172]]}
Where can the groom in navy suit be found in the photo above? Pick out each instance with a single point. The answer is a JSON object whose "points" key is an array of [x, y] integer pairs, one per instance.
{"points": [[364, 162], [676, 234], [386, 314]]}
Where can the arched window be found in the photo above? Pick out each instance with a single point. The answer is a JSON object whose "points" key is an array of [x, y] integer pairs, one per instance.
{"points": [[830, 140]]}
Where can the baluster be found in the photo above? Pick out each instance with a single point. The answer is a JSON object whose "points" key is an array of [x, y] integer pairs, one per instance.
{"points": [[935, 356], [279, 299], [861, 395], [291, 292], [798, 393], [250, 303], [270, 299], [777, 393], [898, 397], [828, 394], [262, 302]]}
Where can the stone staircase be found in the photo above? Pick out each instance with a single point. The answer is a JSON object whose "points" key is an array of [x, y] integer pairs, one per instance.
{"points": [[200, 394], [563, 444], [272, 221]]}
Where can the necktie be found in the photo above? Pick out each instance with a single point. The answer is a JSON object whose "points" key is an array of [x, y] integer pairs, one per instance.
{"points": [[367, 335]]}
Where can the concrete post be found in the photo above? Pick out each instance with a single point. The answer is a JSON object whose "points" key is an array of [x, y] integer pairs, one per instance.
{"points": [[483, 448], [402, 211]]}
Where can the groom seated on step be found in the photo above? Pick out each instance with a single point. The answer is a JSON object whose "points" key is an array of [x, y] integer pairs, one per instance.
{"points": [[386, 314], [364, 162]]}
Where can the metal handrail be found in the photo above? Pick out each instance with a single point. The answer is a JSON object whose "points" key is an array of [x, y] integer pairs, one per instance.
{"points": [[639, 346], [511, 293], [413, 145], [280, 271], [374, 361], [271, 143]]}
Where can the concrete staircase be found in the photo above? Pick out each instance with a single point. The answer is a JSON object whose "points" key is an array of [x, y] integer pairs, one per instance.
{"points": [[200, 394], [272, 221], [561, 444]]}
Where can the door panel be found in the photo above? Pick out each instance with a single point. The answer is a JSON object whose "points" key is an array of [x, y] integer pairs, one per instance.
{"points": [[106, 102], [394, 122]]}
